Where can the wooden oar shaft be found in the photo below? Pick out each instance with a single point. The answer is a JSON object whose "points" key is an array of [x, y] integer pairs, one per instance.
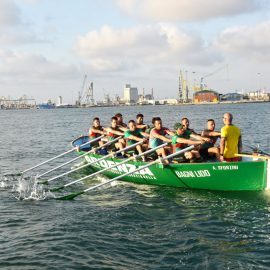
{"points": [[253, 156], [60, 155]]}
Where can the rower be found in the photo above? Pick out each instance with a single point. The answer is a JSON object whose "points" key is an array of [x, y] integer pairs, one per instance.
{"points": [[208, 149], [139, 122], [148, 130], [113, 132], [185, 124], [134, 135], [95, 131], [121, 125], [158, 137], [181, 140], [190, 132]]}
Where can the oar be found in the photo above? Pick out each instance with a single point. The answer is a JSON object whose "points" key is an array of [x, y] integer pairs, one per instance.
{"points": [[257, 150], [91, 151], [60, 155], [88, 164], [78, 168], [262, 152], [110, 167], [38, 165], [252, 156], [73, 195]]}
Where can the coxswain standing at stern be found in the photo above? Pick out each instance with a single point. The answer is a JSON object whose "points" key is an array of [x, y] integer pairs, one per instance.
{"points": [[231, 140]]}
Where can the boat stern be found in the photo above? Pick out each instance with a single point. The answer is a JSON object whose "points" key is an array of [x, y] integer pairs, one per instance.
{"points": [[268, 175]]}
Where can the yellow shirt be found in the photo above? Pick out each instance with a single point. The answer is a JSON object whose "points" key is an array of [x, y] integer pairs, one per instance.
{"points": [[232, 134]]}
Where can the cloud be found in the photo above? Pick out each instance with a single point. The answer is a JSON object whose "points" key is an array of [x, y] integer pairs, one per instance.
{"points": [[113, 49], [19, 38], [10, 14], [37, 76], [186, 10], [13, 30], [246, 41], [24, 66]]}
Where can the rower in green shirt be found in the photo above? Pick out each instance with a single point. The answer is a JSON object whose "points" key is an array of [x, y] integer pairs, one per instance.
{"points": [[181, 140], [133, 135]]}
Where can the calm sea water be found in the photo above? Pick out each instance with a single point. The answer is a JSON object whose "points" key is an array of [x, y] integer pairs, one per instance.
{"points": [[125, 226]]}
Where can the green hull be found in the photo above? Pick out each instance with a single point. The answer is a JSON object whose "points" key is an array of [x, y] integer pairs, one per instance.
{"points": [[228, 176]]}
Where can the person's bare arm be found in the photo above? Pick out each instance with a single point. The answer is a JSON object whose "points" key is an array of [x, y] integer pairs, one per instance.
{"points": [[135, 138], [200, 138], [163, 138], [115, 132], [171, 133], [122, 128], [142, 126], [145, 134], [98, 131], [222, 146], [186, 141], [210, 133]]}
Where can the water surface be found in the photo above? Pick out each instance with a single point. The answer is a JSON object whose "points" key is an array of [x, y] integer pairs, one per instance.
{"points": [[126, 226]]}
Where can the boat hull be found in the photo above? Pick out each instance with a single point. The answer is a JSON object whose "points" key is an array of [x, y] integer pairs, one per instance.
{"points": [[224, 176], [230, 176]]}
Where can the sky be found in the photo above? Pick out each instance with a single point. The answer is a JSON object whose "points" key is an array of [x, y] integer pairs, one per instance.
{"points": [[47, 46]]}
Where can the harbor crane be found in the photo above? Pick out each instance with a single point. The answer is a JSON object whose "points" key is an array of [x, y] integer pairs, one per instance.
{"points": [[183, 88], [86, 96], [89, 96], [81, 92], [202, 85]]}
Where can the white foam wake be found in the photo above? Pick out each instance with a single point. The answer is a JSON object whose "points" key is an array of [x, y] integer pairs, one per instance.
{"points": [[29, 189]]}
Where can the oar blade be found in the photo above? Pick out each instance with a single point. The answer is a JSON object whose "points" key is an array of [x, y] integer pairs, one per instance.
{"points": [[57, 189], [70, 196], [13, 174], [43, 182]]}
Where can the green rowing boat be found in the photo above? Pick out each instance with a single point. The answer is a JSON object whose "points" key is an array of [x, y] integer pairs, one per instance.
{"points": [[249, 174]]}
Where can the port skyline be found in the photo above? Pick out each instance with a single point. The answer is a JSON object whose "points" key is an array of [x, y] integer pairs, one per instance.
{"points": [[45, 54]]}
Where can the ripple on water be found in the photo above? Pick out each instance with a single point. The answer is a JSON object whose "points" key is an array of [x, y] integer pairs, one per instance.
{"points": [[125, 226]]}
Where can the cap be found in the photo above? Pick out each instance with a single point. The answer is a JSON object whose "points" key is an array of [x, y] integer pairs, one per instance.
{"points": [[178, 125]]}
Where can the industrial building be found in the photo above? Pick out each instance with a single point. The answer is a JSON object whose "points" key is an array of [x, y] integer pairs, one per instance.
{"points": [[258, 95], [20, 103], [130, 94], [232, 97], [205, 96]]}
